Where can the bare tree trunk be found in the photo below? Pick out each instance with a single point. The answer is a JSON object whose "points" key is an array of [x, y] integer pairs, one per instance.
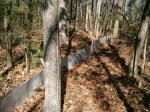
{"points": [[90, 19], [8, 42], [63, 20], [9, 50], [81, 14], [110, 8], [52, 77], [86, 19], [143, 65], [77, 16], [25, 38], [27, 52], [97, 22], [139, 43], [116, 25], [71, 12], [94, 5]]}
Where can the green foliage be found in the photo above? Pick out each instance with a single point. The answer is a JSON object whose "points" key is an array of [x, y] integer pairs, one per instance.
{"points": [[131, 3], [37, 54], [30, 16], [28, 2], [1, 77], [39, 1], [39, 51], [15, 16], [27, 24], [17, 41], [15, 12], [2, 9]]}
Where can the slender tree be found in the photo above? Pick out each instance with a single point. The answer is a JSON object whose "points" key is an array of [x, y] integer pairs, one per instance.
{"points": [[26, 40], [139, 42], [97, 22], [76, 16], [63, 20], [51, 70], [81, 13], [143, 64], [90, 18], [8, 37], [86, 19], [71, 11], [117, 20], [108, 24]]}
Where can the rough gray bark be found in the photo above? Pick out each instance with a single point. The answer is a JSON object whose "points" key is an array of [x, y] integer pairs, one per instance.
{"points": [[63, 20], [98, 11], [90, 19], [8, 50], [81, 14], [139, 43], [52, 76], [86, 19], [143, 65], [27, 52], [77, 15], [116, 25], [8, 42], [71, 11], [94, 4], [108, 24]]}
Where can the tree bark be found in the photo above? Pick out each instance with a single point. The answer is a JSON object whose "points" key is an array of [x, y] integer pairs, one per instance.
{"points": [[71, 12], [52, 77], [90, 19], [81, 14], [108, 24], [97, 22], [77, 16], [139, 43], [8, 41], [27, 51], [116, 25], [143, 64], [63, 21], [9, 50], [86, 18]]}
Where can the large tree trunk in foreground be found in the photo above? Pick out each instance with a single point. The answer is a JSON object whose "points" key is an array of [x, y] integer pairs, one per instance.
{"points": [[145, 21], [116, 25], [52, 77], [28, 88]]}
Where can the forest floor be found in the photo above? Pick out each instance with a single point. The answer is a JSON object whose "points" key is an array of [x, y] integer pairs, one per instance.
{"points": [[99, 84]]}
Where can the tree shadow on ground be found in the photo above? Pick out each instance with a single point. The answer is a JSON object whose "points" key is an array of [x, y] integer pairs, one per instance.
{"points": [[64, 71], [115, 84], [130, 81], [146, 78], [146, 99], [126, 81], [120, 60]]}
